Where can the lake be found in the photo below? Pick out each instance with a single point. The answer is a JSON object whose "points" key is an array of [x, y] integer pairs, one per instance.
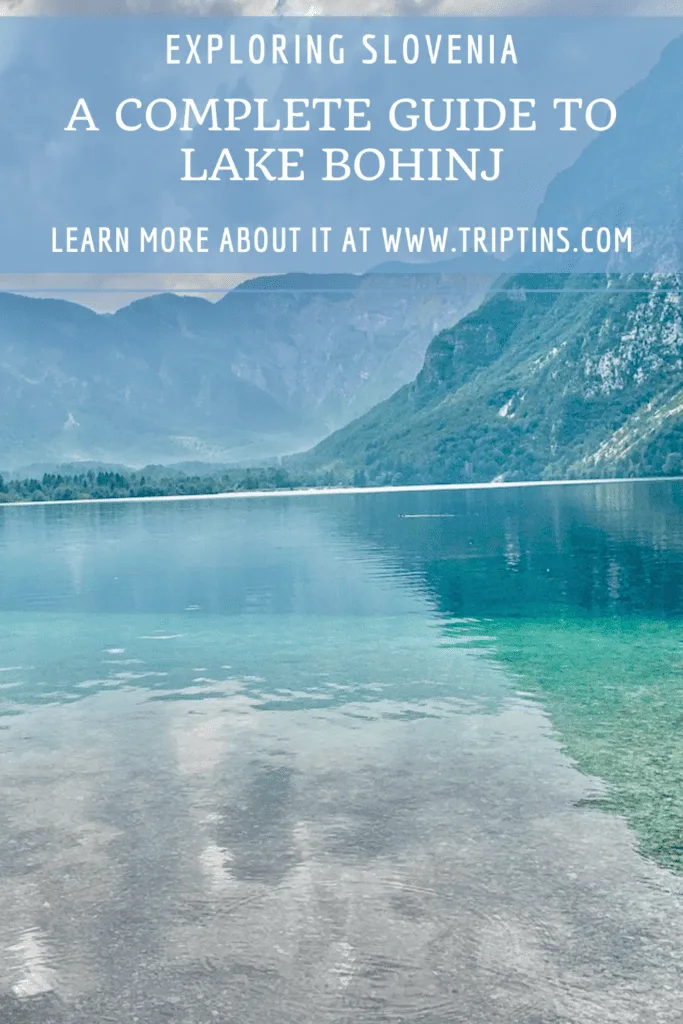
{"points": [[344, 759]]}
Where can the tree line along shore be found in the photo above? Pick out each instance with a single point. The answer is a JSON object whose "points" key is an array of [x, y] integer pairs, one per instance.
{"points": [[99, 484]]}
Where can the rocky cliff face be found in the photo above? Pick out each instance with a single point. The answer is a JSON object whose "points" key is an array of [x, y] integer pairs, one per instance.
{"points": [[273, 366]]}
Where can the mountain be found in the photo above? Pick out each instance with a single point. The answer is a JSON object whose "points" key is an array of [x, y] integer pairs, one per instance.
{"points": [[632, 175], [273, 366], [557, 375], [551, 377]]}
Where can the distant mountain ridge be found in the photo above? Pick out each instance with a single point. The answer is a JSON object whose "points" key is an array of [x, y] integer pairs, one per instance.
{"points": [[272, 367]]}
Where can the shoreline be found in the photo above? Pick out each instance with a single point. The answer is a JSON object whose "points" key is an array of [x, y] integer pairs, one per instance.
{"points": [[320, 491]]}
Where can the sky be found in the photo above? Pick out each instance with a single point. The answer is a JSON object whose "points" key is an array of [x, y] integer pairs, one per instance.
{"points": [[107, 293]]}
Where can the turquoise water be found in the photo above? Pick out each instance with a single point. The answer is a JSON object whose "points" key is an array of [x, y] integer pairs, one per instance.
{"points": [[347, 758]]}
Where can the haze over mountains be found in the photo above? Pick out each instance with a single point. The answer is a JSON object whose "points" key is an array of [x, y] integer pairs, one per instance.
{"points": [[272, 367]]}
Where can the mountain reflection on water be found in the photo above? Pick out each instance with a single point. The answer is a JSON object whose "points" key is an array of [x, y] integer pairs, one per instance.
{"points": [[579, 590], [392, 757]]}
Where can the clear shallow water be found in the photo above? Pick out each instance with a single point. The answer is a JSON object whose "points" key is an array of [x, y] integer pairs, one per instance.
{"points": [[409, 757]]}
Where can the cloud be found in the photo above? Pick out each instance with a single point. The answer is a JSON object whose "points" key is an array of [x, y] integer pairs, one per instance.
{"points": [[345, 7]]}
